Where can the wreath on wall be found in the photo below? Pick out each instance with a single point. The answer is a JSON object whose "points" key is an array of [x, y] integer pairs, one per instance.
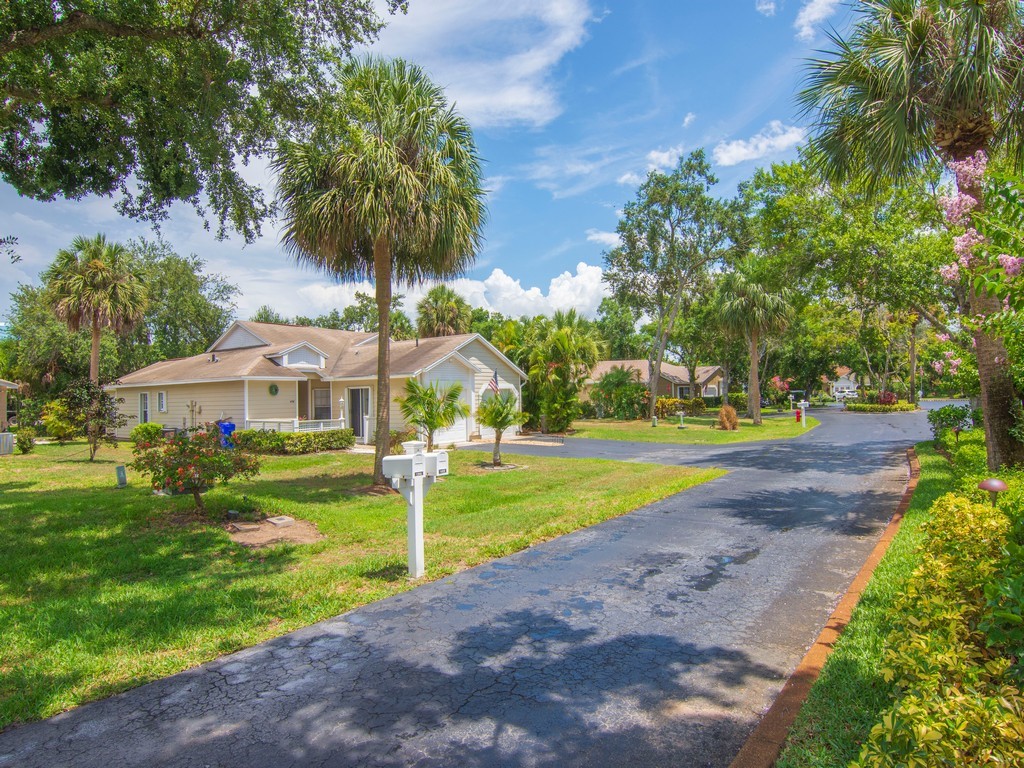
{"points": [[274, 389]]}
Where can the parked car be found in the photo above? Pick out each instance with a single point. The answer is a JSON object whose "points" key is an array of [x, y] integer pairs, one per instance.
{"points": [[845, 393]]}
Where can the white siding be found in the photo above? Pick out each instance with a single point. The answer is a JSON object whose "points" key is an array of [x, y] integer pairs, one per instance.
{"points": [[447, 374], [263, 405], [239, 338], [488, 362], [304, 356], [222, 400]]}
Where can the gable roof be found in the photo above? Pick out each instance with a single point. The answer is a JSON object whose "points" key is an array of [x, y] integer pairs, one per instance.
{"points": [[348, 354], [677, 374]]}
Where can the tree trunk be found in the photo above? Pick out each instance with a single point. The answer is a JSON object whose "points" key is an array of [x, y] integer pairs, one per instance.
{"points": [[754, 383], [94, 353], [382, 276], [913, 362], [997, 390], [198, 496], [496, 457]]}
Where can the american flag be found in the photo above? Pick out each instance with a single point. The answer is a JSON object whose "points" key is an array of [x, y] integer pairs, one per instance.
{"points": [[493, 384]]}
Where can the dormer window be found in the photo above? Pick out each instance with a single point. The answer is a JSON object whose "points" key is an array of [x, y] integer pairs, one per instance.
{"points": [[301, 356]]}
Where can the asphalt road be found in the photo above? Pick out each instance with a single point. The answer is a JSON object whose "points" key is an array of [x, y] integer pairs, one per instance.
{"points": [[654, 639]]}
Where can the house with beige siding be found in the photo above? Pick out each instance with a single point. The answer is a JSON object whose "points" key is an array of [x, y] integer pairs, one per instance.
{"points": [[674, 380], [291, 378]]}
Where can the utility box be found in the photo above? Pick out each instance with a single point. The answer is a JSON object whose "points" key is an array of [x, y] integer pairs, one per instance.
{"points": [[6, 443]]}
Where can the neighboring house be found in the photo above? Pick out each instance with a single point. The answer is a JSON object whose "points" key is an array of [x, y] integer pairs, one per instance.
{"points": [[4, 386], [293, 378], [673, 382], [844, 378]]}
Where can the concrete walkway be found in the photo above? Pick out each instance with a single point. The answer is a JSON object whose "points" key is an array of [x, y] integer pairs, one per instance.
{"points": [[655, 639]]}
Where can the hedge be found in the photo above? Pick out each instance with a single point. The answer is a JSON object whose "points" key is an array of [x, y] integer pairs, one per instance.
{"points": [[874, 408], [293, 443], [669, 407]]}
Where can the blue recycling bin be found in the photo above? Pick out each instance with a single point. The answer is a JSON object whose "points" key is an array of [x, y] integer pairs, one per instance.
{"points": [[227, 428]]}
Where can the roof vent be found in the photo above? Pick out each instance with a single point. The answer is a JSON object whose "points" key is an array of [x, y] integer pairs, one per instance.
{"points": [[214, 358]]}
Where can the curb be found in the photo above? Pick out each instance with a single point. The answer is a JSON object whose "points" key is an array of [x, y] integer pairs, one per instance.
{"points": [[762, 747]]}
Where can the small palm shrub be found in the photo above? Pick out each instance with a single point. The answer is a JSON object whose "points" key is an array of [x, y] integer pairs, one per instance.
{"points": [[727, 418], [500, 412], [59, 422]]}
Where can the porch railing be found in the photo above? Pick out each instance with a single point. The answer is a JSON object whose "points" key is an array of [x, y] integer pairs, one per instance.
{"points": [[295, 425]]}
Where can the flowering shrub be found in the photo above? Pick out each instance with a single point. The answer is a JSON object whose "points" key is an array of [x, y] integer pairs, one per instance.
{"points": [[192, 461], [777, 390]]}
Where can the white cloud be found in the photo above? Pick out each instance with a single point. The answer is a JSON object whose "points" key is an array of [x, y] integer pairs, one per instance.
{"points": [[662, 159], [766, 7], [567, 170], [688, 120], [607, 239], [630, 178], [496, 60], [775, 138], [811, 14], [498, 292]]}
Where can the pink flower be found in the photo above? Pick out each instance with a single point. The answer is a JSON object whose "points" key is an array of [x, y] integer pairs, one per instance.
{"points": [[950, 273], [957, 208], [971, 170], [963, 246], [939, 366], [1011, 264], [943, 337], [949, 355], [954, 365]]}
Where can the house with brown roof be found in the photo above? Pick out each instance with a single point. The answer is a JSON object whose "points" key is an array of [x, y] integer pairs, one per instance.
{"points": [[674, 380], [295, 378]]}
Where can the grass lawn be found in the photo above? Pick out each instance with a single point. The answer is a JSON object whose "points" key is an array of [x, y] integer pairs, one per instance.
{"points": [[104, 589], [850, 696], [700, 430]]}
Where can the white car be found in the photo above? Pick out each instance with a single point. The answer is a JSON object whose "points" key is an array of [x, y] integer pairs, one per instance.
{"points": [[845, 393]]}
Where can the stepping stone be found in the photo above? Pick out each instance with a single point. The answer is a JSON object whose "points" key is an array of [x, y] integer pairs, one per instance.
{"points": [[240, 527], [281, 521]]}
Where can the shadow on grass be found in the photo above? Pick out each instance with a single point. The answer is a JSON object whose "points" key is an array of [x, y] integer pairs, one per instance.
{"points": [[523, 688]]}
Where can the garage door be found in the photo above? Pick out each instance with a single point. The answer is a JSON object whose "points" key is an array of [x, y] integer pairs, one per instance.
{"points": [[444, 376]]}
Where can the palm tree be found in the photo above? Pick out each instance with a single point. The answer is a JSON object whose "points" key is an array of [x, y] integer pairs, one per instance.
{"points": [[558, 367], [388, 186], [746, 308], [432, 407], [443, 312], [916, 80], [500, 412], [95, 284]]}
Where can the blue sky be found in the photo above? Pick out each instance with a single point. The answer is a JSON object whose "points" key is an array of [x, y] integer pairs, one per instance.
{"points": [[572, 102]]}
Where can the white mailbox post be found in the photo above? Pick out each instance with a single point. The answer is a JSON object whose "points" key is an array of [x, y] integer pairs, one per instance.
{"points": [[803, 405], [412, 475]]}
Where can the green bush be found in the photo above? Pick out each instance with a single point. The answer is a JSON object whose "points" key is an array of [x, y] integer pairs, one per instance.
{"points": [[949, 417], [738, 400], [951, 653], [316, 442], [875, 408], [25, 439], [263, 441], [149, 432], [59, 423], [669, 407]]}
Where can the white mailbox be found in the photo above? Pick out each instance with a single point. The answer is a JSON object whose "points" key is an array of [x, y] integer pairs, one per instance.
{"points": [[405, 467], [412, 475], [437, 464]]}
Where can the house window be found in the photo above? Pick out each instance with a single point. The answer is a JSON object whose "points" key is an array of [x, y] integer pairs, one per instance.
{"points": [[161, 402], [143, 407], [322, 404]]}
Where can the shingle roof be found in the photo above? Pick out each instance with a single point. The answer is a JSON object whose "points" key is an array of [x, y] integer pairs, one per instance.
{"points": [[677, 374], [350, 354]]}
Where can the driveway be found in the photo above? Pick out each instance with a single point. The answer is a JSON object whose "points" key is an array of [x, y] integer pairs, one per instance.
{"points": [[654, 639]]}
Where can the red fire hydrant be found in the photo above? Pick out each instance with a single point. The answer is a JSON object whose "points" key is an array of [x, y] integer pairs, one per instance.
{"points": [[797, 415]]}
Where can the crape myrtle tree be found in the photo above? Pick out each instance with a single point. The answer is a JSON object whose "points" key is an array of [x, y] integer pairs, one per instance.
{"points": [[160, 101], [386, 185], [670, 234], [917, 80]]}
